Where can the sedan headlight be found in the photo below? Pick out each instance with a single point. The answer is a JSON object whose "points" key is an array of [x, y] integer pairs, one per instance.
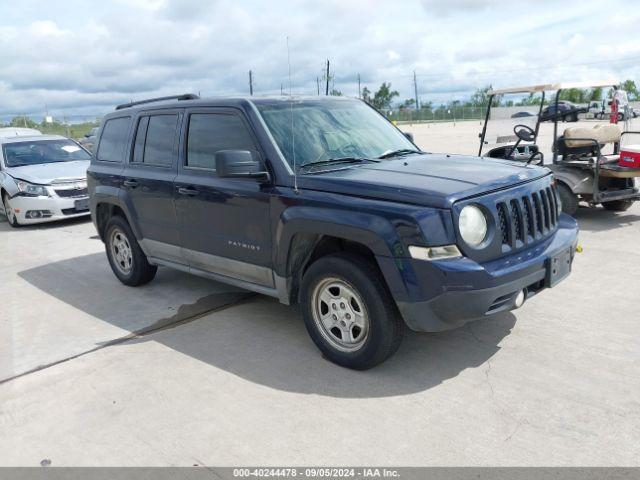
{"points": [[31, 190], [472, 225]]}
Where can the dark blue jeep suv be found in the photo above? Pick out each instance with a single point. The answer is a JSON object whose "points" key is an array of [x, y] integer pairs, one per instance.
{"points": [[321, 201]]}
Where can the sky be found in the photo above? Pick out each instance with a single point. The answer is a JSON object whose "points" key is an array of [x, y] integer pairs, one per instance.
{"points": [[77, 58]]}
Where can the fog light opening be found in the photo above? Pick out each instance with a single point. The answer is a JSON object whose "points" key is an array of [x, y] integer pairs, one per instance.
{"points": [[520, 298]]}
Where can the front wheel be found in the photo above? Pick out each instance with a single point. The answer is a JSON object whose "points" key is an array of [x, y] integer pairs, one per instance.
{"points": [[127, 260], [568, 198], [9, 212], [618, 205], [349, 312]]}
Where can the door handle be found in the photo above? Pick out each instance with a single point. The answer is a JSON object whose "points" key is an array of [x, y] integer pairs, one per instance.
{"points": [[131, 183], [187, 191]]}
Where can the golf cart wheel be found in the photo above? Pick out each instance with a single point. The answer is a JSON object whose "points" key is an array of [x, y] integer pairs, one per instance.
{"points": [[126, 258], [8, 211], [618, 205], [568, 198], [349, 312], [620, 116]]}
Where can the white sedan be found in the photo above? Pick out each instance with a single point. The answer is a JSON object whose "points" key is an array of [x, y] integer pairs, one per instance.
{"points": [[43, 178]]}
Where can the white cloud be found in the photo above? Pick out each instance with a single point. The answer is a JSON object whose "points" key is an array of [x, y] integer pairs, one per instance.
{"points": [[87, 59]]}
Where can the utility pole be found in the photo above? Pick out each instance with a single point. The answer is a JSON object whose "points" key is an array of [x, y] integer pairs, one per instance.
{"points": [[281, 90], [415, 88], [250, 82], [326, 91], [359, 92], [318, 85]]}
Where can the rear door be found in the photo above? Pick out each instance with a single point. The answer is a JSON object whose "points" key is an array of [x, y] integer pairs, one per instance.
{"points": [[148, 182], [224, 223]]}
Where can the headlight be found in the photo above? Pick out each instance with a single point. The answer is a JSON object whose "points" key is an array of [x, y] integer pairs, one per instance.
{"points": [[31, 190], [472, 225]]}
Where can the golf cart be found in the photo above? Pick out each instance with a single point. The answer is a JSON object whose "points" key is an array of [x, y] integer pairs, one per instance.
{"points": [[583, 171]]}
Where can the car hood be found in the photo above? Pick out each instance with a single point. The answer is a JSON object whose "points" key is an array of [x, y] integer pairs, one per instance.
{"points": [[430, 179], [48, 173]]}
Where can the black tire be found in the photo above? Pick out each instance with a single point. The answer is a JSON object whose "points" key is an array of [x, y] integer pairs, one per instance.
{"points": [[573, 117], [568, 198], [620, 117], [13, 220], [137, 271], [618, 205], [385, 325]]}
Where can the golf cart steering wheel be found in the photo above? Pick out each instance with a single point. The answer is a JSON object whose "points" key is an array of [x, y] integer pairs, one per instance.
{"points": [[524, 133], [534, 156]]}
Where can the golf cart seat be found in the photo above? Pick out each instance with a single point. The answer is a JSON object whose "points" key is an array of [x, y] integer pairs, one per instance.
{"points": [[602, 134], [584, 142]]}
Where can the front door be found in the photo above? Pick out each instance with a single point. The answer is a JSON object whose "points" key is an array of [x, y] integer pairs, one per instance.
{"points": [[148, 182], [224, 223]]}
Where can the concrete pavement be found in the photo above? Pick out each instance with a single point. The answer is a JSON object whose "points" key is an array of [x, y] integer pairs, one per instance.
{"points": [[554, 383]]}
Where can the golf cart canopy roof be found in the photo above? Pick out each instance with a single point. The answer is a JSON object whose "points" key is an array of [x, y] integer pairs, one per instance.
{"points": [[553, 87]]}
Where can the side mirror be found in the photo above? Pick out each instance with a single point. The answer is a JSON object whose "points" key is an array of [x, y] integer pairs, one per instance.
{"points": [[409, 135], [239, 164]]}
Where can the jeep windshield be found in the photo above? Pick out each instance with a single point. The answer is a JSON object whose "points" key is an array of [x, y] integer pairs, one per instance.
{"points": [[20, 154], [327, 132]]}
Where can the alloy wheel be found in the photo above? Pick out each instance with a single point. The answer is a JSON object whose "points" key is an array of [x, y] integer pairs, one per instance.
{"points": [[121, 251], [340, 315]]}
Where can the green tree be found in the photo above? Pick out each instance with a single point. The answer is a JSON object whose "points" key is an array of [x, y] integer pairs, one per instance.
{"points": [[408, 103], [335, 93], [481, 97], [23, 121], [632, 90], [596, 94], [384, 96], [366, 94], [575, 95]]}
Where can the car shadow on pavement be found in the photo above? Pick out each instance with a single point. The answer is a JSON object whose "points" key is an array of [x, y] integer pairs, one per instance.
{"points": [[265, 342], [597, 219], [255, 337], [88, 284]]}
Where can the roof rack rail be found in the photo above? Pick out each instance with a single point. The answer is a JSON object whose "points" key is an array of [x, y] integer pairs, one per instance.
{"points": [[184, 96]]}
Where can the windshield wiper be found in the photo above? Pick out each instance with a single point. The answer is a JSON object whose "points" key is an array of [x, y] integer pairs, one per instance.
{"points": [[399, 153], [332, 161]]}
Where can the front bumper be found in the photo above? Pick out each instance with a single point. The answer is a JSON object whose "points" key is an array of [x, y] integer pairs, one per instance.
{"points": [[58, 208], [446, 294]]}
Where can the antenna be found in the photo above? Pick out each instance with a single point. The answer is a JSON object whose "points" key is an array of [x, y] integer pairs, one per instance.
{"points": [[293, 136]]}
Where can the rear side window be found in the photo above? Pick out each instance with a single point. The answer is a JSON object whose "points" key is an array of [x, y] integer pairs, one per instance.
{"points": [[113, 141], [212, 132], [158, 146]]}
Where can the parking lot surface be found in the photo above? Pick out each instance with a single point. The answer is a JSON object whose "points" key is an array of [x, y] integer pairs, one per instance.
{"points": [[217, 376]]}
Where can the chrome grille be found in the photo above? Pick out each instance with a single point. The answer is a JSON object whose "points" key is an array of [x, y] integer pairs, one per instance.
{"points": [[72, 192], [525, 219]]}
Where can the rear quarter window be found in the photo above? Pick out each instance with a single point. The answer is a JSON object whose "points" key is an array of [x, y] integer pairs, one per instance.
{"points": [[113, 141]]}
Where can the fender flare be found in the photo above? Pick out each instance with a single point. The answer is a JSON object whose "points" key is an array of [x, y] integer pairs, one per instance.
{"points": [[112, 196], [370, 230]]}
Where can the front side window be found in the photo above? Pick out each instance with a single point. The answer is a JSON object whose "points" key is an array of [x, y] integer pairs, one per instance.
{"points": [[35, 152], [319, 130], [158, 148], [211, 132], [113, 141]]}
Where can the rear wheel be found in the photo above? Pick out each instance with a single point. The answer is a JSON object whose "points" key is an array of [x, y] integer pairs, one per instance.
{"points": [[348, 311], [618, 205], [9, 212], [568, 198], [127, 260], [573, 117]]}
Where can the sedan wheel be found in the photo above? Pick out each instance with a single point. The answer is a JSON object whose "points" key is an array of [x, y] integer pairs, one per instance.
{"points": [[9, 212]]}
